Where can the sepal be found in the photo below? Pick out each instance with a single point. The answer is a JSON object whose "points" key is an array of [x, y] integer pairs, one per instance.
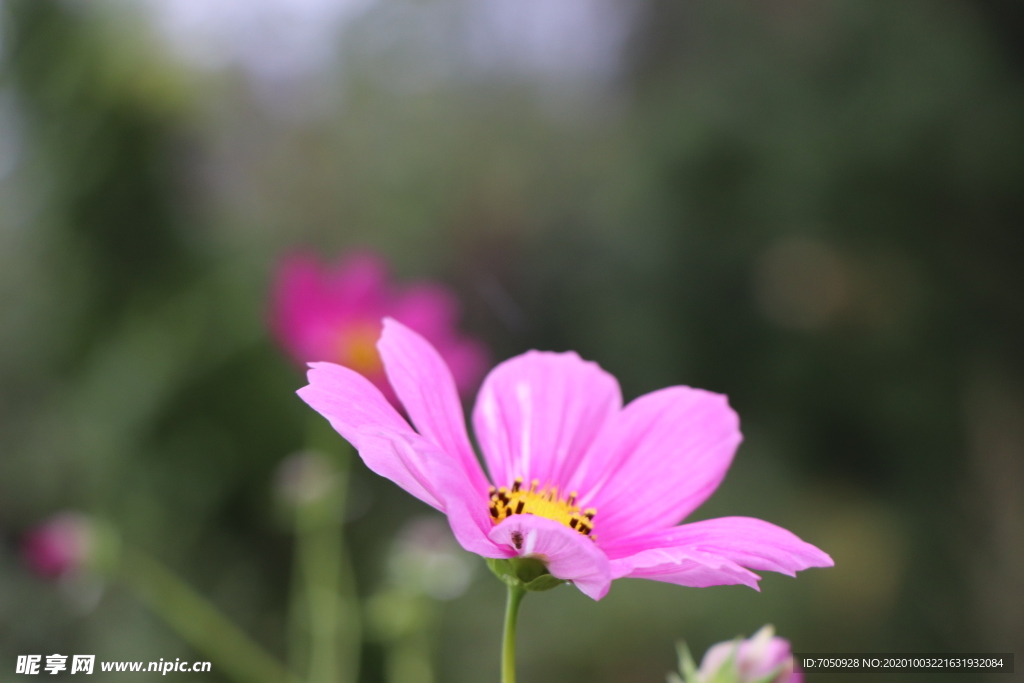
{"points": [[525, 572], [687, 667], [726, 673]]}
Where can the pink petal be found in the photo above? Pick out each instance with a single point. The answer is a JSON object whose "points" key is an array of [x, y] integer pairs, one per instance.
{"points": [[447, 482], [389, 447], [425, 386], [430, 309], [538, 414], [568, 554], [295, 306], [359, 412], [665, 454], [359, 282], [683, 566], [750, 542], [467, 359], [714, 552], [312, 305]]}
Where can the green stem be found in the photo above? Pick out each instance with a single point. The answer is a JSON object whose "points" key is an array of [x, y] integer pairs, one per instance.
{"points": [[350, 637], [508, 650], [297, 620], [318, 549], [198, 622], [324, 605]]}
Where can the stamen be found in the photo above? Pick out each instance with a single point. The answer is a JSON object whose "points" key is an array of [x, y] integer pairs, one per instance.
{"points": [[542, 502]]}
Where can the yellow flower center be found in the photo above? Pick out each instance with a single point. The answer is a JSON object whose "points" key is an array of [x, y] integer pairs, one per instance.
{"points": [[357, 349], [546, 502]]}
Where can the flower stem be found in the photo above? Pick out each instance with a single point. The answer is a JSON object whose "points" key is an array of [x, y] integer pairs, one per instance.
{"points": [[327, 596], [508, 650], [318, 554], [198, 622]]}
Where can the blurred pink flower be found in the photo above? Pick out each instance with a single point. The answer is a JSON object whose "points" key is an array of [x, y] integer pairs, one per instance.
{"points": [[333, 313], [61, 545], [591, 488], [754, 659]]}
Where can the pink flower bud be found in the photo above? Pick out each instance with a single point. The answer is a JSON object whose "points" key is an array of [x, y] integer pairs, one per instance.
{"points": [[753, 659], [62, 545]]}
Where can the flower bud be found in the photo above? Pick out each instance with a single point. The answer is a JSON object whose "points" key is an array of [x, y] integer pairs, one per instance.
{"points": [[763, 658], [64, 544]]}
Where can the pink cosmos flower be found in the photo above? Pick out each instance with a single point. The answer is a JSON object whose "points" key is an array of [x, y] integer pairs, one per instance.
{"points": [[333, 313], [61, 545], [591, 488], [753, 659]]}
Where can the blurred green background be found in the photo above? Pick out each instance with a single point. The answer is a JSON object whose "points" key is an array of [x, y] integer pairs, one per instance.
{"points": [[813, 207]]}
